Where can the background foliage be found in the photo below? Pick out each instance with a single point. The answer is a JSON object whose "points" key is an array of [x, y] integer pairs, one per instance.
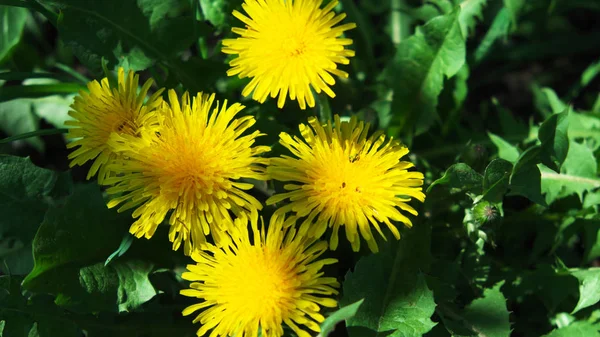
{"points": [[498, 100]]}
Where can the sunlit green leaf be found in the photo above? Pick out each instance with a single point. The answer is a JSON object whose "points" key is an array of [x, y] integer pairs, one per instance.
{"points": [[396, 296], [577, 175], [589, 283], [514, 7], [121, 286], [81, 232], [219, 12], [340, 315], [417, 72], [470, 12], [526, 179], [22, 316], [27, 191], [486, 316], [498, 30], [495, 179], [460, 176], [554, 139], [13, 22], [506, 150], [139, 32]]}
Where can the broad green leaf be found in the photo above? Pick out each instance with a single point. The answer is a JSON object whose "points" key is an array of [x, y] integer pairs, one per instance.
{"points": [[428, 10], [555, 142], [495, 179], [132, 33], [460, 176], [548, 102], [340, 315], [219, 12], [22, 316], [577, 174], [589, 287], [499, 29], [396, 297], [585, 127], [19, 314], [25, 192], [17, 117], [484, 317], [576, 329], [435, 51], [514, 7], [13, 22], [591, 199], [81, 232], [526, 179], [506, 150], [121, 286], [550, 286], [54, 109], [581, 126], [470, 12]]}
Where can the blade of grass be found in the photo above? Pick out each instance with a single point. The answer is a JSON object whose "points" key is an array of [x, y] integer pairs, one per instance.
{"points": [[45, 132], [76, 75], [19, 76], [38, 90]]}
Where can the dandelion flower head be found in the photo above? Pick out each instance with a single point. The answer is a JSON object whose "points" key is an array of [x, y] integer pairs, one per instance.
{"points": [[287, 48], [105, 110], [260, 280], [339, 176], [191, 166]]}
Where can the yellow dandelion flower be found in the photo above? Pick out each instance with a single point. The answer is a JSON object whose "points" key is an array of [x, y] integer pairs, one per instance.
{"points": [[191, 165], [288, 47], [105, 110], [342, 177], [261, 283]]}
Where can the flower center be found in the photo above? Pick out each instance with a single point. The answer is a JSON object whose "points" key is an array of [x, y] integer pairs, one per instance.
{"points": [[290, 36], [190, 164], [294, 46], [261, 282], [122, 123], [344, 181]]}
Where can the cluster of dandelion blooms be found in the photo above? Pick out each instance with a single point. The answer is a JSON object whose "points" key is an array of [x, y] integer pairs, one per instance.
{"points": [[340, 176], [104, 110], [289, 47], [191, 166], [188, 162], [261, 282]]}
